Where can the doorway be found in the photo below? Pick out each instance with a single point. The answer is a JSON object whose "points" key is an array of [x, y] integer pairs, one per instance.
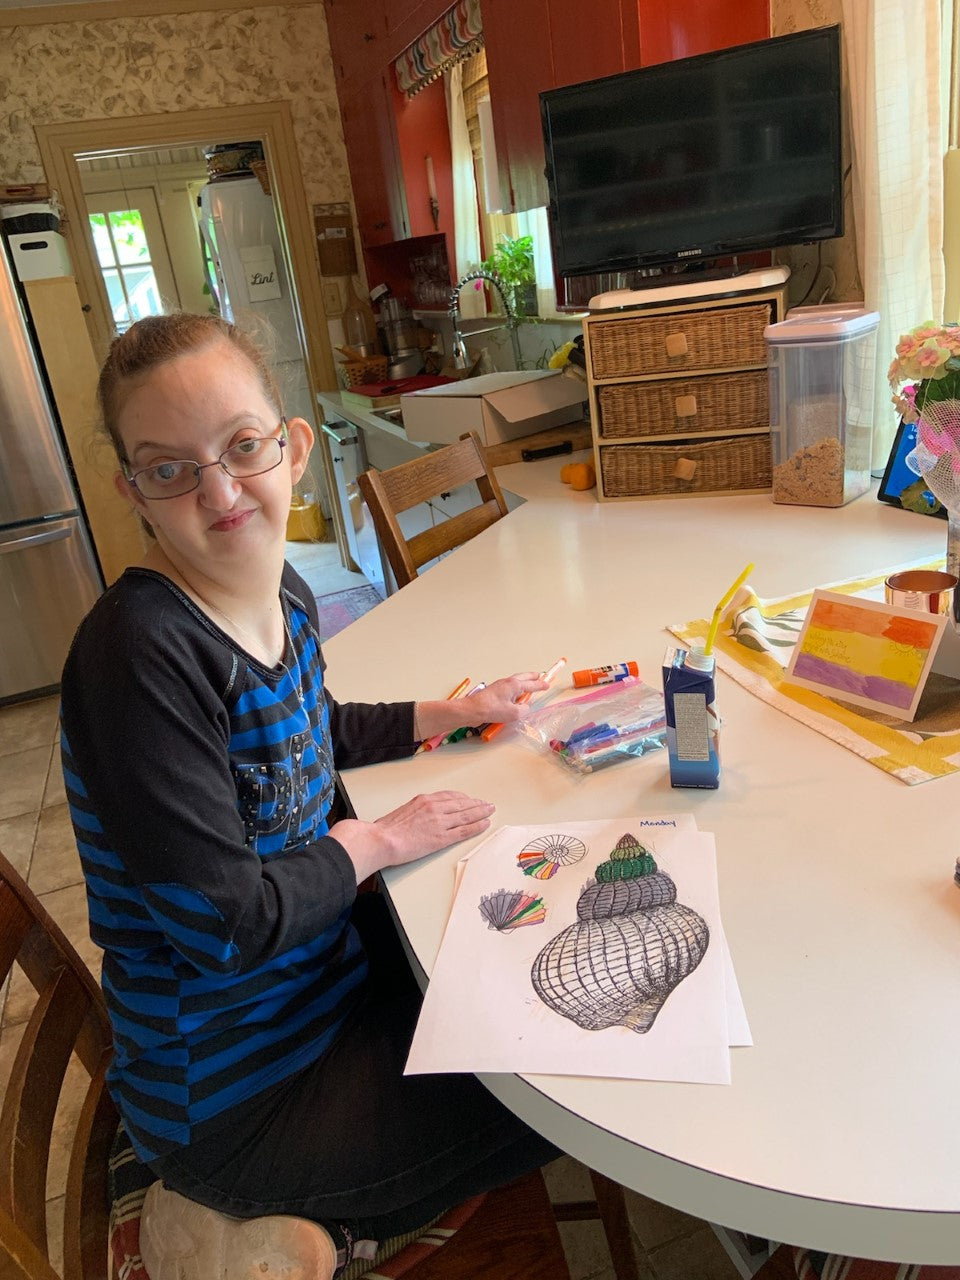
{"points": [[62, 146]]}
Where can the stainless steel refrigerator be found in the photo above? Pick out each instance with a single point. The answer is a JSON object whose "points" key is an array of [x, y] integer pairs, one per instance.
{"points": [[49, 575]]}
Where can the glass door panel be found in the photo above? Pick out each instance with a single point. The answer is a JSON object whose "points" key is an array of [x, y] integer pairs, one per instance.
{"points": [[132, 252]]}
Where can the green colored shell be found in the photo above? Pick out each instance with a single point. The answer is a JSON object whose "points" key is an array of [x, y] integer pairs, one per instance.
{"points": [[628, 861]]}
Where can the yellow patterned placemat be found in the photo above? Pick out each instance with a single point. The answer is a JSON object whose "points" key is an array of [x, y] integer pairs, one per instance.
{"points": [[753, 645]]}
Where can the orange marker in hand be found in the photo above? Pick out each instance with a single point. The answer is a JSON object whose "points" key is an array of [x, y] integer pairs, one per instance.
{"points": [[492, 730]]}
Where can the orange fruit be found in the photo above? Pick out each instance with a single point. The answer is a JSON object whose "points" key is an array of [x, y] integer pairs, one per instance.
{"points": [[582, 475]]}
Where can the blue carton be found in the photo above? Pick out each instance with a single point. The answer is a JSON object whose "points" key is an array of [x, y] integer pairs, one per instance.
{"points": [[693, 726]]}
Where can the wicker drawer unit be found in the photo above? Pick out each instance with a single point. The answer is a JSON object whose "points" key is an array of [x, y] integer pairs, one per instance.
{"points": [[735, 464], [679, 402]]}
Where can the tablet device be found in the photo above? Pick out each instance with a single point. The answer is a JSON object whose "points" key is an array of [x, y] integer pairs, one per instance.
{"points": [[902, 487]]}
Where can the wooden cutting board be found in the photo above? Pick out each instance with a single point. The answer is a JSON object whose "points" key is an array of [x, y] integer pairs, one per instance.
{"points": [[578, 433]]}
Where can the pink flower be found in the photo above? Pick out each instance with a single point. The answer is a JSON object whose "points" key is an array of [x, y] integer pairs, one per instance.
{"points": [[931, 356]]}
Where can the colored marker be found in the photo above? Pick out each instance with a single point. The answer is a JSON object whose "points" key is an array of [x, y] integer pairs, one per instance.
{"points": [[431, 743], [598, 741], [457, 734], [586, 731], [491, 730]]}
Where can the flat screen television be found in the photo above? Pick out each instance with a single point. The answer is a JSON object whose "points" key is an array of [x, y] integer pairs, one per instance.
{"points": [[705, 157]]}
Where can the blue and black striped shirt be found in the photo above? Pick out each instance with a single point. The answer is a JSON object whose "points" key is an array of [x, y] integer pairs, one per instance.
{"points": [[199, 784]]}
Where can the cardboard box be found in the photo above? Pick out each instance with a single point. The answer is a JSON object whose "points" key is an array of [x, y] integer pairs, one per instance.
{"points": [[498, 406]]}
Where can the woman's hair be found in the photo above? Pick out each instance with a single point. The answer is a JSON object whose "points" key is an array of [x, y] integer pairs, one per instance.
{"points": [[155, 340]]}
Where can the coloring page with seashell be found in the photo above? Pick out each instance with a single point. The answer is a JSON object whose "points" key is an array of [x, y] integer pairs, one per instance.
{"points": [[587, 949]]}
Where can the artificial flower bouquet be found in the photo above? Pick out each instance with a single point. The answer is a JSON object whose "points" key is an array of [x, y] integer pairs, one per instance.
{"points": [[928, 361], [925, 380]]}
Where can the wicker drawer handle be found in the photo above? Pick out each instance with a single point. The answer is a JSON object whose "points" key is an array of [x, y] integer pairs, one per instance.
{"points": [[676, 344], [686, 406], [685, 469]]}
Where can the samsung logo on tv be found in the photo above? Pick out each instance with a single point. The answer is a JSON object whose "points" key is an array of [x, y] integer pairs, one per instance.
{"points": [[689, 253]]}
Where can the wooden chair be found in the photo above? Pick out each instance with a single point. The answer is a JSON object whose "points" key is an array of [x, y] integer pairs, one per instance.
{"points": [[389, 493], [69, 1017], [510, 1232]]}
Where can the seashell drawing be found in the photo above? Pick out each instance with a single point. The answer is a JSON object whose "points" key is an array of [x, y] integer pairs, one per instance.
{"points": [[632, 945], [509, 909], [544, 856]]}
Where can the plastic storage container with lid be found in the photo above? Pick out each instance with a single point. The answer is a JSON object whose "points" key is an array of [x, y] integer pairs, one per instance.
{"points": [[821, 363]]}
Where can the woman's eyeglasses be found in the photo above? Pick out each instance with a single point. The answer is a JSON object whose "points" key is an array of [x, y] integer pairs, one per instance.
{"points": [[250, 457]]}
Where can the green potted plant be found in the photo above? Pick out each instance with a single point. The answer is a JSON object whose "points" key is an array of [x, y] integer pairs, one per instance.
{"points": [[512, 260]]}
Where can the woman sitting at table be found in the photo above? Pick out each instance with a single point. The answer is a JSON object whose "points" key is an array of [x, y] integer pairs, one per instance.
{"points": [[261, 1010]]}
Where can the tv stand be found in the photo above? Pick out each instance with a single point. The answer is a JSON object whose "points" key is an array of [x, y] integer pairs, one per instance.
{"points": [[718, 283]]}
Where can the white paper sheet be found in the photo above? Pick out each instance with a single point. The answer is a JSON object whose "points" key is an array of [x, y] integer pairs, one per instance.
{"points": [[483, 1013], [738, 1027]]}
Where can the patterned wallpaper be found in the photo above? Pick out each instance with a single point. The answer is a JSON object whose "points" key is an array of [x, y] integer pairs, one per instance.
{"points": [[138, 66], [839, 256]]}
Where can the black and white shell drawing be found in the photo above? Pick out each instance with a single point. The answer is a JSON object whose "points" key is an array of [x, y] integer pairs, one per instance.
{"points": [[544, 856], [632, 944], [507, 910]]}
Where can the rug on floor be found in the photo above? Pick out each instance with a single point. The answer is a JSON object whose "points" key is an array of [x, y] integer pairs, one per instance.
{"points": [[338, 609]]}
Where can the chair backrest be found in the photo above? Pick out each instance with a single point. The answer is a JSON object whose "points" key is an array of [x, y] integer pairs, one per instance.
{"points": [[69, 1018], [388, 493]]}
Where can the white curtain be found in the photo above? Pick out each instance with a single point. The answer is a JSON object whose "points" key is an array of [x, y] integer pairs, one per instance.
{"points": [[466, 223], [534, 222], [894, 64]]}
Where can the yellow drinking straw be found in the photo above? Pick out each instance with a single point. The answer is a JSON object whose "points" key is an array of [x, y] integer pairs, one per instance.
{"points": [[715, 622]]}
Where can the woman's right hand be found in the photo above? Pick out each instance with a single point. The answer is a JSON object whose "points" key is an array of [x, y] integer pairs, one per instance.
{"points": [[421, 826]]}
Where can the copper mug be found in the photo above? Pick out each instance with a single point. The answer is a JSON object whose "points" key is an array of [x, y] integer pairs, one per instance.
{"points": [[926, 590]]}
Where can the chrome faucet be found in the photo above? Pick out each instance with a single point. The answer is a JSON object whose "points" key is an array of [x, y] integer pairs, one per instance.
{"points": [[460, 358]]}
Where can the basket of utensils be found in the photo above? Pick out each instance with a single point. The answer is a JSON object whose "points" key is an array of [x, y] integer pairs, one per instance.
{"points": [[369, 369]]}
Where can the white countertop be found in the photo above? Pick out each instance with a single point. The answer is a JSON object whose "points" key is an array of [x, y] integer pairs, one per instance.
{"points": [[841, 1128]]}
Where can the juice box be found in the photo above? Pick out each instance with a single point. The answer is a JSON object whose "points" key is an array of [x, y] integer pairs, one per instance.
{"points": [[693, 726]]}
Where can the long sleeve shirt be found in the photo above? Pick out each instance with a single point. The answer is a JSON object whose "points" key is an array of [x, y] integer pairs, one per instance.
{"points": [[199, 783]]}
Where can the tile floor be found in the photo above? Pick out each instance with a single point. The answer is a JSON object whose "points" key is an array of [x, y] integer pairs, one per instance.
{"points": [[35, 835], [318, 563]]}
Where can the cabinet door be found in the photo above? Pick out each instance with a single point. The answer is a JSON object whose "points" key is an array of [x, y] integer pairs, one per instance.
{"points": [[357, 31], [586, 50], [519, 64], [533, 45], [369, 130], [558, 47], [669, 31]]}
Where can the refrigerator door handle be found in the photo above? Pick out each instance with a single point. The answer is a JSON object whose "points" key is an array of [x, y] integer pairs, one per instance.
{"points": [[35, 539]]}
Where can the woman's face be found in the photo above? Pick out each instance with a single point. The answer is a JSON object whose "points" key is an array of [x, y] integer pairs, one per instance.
{"points": [[195, 407]]}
